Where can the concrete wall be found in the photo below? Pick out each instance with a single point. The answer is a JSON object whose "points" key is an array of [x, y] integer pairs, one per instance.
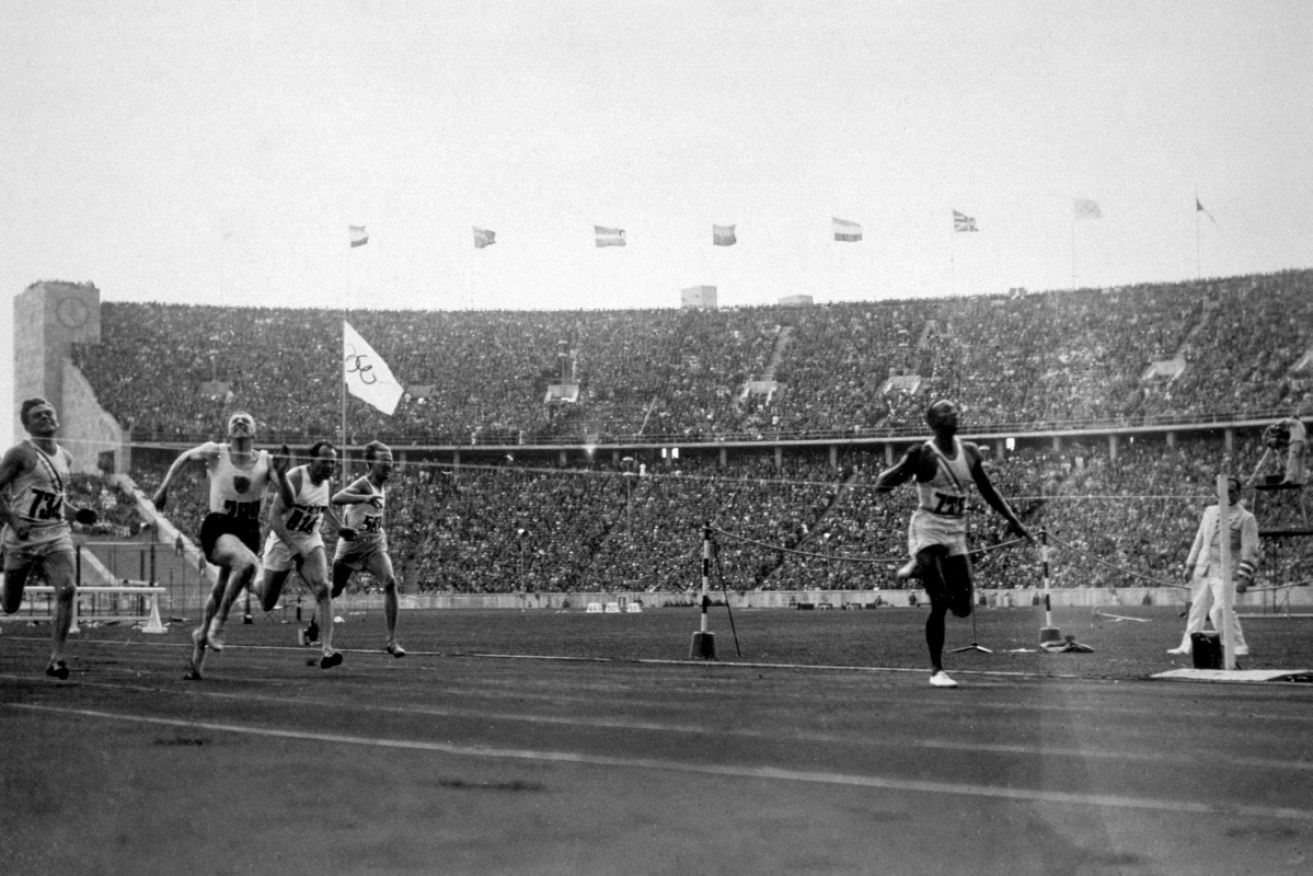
{"points": [[1298, 599], [86, 429]]}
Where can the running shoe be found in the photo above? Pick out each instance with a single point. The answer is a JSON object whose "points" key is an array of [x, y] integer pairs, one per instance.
{"points": [[941, 679], [395, 650], [309, 637], [330, 659], [215, 635], [58, 669]]}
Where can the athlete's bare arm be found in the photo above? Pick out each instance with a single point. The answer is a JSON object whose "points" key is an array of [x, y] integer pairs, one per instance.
{"points": [[990, 493], [912, 465], [206, 453], [17, 461]]}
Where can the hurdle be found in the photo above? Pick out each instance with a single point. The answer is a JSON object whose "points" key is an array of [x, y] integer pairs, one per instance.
{"points": [[146, 617]]}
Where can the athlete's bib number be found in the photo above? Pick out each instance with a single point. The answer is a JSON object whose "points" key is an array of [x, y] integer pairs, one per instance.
{"points": [[241, 510], [950, 506], [371, 524], [304, 519], [45, 505]]}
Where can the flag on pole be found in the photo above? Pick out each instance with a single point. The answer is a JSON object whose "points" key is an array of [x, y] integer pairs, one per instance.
{"points": [[359, 236], [483, 237], [848, 232], [963, 222], [1199, 208], [367, 376], [723, 235], [1084, 208], [609, 236]]}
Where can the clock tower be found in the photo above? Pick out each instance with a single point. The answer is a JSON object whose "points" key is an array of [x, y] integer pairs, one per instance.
{"points": [[49, 317]]}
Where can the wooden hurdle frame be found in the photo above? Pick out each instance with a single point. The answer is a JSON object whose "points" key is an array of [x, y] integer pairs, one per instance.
{"points": [[149, 619]]}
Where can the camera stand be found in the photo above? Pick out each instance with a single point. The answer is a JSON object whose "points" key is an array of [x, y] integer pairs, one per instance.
{"points": [[1262, 464], [975, 644]]}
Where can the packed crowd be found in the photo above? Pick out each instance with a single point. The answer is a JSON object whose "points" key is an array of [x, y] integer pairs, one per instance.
{"points": [[539, 526], [1028, 362], [1035, 361]]}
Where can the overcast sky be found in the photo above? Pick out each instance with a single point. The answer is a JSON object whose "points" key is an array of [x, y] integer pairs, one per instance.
{"points": [[217, 152]]}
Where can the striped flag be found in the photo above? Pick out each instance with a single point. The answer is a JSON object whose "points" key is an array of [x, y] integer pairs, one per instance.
{"points": [[359, 236], [1084, 208], [723, 235], [848, 232], [483, 237], [963, 222], [367, 376], [609, 236]]}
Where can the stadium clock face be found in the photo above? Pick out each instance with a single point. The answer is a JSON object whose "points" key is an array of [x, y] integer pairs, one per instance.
{"points": [[72, 311]]}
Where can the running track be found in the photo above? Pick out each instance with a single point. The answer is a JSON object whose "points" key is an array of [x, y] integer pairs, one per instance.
{"points": [[456, 763]]}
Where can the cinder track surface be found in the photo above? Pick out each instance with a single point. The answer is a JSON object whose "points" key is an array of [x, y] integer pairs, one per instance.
{"points": [[569, 743]]}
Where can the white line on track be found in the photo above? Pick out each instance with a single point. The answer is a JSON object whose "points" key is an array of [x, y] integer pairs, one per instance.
{"points": [[1112, 801], [1120, 755]]}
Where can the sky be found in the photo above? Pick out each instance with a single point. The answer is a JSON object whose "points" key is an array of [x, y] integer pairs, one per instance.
{"points": [[218, 152]]}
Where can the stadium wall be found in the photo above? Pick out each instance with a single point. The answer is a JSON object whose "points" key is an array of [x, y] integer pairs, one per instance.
{"points": [[1073, 597], [88, 431]]}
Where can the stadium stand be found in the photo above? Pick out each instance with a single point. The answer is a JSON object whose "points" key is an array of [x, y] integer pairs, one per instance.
{"points": [[1078, 362]]}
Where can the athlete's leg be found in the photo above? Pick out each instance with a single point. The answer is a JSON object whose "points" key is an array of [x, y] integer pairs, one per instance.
{"points": [[241, 563], [341, 578], [199, 636], [930, 563], [61, 573], [15, 581], [314, 571], [380, 566], [956, 570], [270, 587]]}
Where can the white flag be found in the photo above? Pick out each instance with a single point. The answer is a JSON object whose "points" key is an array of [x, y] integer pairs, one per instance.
{"points": [[1084, 208], [609, 236], [846, 231], [367, 376]]}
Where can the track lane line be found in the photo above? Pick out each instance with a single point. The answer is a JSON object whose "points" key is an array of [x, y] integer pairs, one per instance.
{"points": [[1105, 801]]}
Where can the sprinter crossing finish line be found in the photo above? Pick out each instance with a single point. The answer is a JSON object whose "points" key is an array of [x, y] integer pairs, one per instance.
{"points": [[943, 466]]}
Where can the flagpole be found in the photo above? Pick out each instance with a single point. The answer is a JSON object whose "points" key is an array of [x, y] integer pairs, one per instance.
{"points": [[1198, 258], [346, 309], [1073, 251], [952, 265]]}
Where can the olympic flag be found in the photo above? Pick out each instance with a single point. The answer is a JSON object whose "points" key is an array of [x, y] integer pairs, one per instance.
{"points": [[367, 376]]}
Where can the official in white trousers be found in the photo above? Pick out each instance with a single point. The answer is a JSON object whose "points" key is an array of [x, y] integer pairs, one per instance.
{"points": [[1204, 569]]}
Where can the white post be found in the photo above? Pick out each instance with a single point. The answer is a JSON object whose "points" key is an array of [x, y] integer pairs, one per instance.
{"points": [[1228, 585]]}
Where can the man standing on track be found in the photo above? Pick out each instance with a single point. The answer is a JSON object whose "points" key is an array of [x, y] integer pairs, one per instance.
{"points": [[230, 535], [1203, 568], [363, 545], [35, 473], [936, 535], [295, 541]]}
